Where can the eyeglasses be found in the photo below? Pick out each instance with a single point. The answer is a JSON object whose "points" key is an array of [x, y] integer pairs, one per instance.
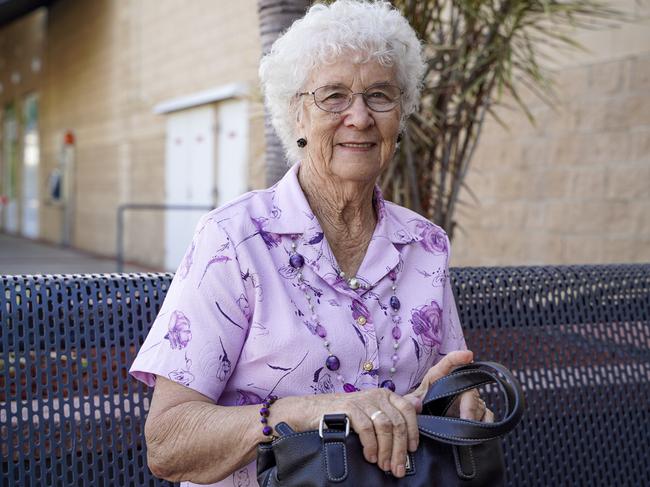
{"points": [[338, 98]]}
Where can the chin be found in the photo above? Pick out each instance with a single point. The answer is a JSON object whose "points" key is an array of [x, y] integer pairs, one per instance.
{"points": [[356, 169]]}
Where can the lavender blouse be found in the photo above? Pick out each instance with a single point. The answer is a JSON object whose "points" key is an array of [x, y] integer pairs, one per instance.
{"points": [[236, 324]]}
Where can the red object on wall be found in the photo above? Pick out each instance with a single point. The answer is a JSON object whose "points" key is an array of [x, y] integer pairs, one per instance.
{"points": [[68, 138]]}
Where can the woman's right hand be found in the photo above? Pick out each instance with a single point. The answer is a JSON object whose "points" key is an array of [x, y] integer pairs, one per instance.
{"points": [[385, 422]]}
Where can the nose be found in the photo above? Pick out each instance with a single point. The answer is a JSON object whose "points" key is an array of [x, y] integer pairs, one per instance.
{"points": [[358, 114]]}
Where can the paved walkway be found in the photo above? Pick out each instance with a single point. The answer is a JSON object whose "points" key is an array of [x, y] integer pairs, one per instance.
{"points": [[23, 256]]}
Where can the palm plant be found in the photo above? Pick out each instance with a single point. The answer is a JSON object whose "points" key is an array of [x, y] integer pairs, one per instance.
{"points": [[275, 16], [476, 51]]}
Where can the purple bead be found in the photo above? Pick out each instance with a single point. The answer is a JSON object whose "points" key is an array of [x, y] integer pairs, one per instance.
{"points": [[264, 420], [322, 332], [397, 333], [388, 384], [394, 303], [332, 362], [347, 387], [264, 411], [392, 275], [296, 261], [267, 430]]}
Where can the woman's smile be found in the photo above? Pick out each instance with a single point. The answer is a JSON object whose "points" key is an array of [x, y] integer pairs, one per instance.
{"points": [[357, 146]]}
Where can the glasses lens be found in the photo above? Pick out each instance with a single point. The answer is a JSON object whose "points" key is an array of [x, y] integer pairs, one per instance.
{"points": [[382, 98], [332, 98]]}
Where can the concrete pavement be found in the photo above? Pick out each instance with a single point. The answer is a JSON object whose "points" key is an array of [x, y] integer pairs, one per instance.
{"points": [[23, 256]]}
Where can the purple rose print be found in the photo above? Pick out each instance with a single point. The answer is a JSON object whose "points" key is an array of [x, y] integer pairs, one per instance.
{"points": [[184, 377], [325, 385], [270, 239], [246, 398], [427, 324], [186, 265], [241, 478], [433, 238], [179, 334], [359, 309], [288, 272]]}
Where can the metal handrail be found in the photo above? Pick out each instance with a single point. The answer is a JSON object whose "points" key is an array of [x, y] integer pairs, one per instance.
{"points": [[145, 206]]}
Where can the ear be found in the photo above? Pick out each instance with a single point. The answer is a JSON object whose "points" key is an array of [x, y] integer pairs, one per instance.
{"points": [[298, 107]]}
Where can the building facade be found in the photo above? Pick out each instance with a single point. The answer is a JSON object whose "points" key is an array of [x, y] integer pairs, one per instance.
{"points": [[140, 102]]}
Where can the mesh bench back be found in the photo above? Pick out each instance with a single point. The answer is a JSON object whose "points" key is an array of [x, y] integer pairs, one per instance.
{"points": [[577, 337]]}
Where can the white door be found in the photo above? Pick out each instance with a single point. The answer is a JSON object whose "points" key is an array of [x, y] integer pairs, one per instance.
{"points": [[10, 169], [189, 176], [31, 158], [232, 173]]}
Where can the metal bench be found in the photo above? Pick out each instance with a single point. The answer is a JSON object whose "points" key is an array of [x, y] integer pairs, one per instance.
{"points": [[578, 338]]}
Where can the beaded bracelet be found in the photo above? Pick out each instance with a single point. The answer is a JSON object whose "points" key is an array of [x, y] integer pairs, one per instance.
{"points": [[264, 413]]}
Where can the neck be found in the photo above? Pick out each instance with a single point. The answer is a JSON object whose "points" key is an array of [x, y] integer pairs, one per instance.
{"points": [[345, 212]]}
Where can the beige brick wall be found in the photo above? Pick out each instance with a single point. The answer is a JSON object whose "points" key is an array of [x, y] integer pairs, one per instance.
{"points": [[109, 64], [573, 188], [576, 187]]}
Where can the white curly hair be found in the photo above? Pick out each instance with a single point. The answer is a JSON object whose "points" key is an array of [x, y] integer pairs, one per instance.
{"points": [[366, 30]]}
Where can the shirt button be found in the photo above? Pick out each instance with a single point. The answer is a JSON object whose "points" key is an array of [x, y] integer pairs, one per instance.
{"points": [[361, 320], [368, 366]]}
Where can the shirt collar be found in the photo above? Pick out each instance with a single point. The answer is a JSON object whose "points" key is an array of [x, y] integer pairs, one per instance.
{"points": [[290, 214]]}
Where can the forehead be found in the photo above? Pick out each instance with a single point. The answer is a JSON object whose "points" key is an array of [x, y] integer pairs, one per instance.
{"points": [[351, 74]]}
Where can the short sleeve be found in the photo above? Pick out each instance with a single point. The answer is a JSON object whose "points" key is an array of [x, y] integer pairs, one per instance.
{"points": [[198, 335], [453, 338]]}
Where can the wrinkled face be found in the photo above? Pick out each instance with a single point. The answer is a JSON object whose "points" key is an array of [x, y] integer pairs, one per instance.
{"points": [[358, 143]]}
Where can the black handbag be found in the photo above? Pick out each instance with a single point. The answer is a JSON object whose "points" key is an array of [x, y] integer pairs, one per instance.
{"points": [[451, 452]]}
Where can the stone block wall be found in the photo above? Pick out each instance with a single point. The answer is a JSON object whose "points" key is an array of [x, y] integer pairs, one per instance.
{"points": [[574, 188]]}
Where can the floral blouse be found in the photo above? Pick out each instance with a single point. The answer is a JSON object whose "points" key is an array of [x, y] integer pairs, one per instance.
{"points": [[236, 324]]}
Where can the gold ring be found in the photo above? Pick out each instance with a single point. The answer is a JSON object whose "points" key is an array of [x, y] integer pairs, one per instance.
{"points": [[374, 415]]}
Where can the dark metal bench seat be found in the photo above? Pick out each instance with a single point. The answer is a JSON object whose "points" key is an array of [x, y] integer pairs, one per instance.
{"points": [[577, 337]]}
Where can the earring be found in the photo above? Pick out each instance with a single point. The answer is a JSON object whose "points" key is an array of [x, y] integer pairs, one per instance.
{"points": [[399, 138], [302, 142]]}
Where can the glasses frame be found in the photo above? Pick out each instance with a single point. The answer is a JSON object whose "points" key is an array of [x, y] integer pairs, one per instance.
{"points": [[363, 95]]}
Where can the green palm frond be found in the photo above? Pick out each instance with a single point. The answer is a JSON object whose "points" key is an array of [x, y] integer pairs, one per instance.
{"points": [[478, 53]]}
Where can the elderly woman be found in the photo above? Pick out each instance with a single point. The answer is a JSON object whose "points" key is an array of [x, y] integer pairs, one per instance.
{"points": [[315, 291]]}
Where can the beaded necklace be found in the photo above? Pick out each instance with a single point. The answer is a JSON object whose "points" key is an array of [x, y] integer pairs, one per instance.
{"points": [[333, 363]]}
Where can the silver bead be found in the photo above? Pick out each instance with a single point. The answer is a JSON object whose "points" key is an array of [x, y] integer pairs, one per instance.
{"points": [[308, 297], [395, 345], [393, 287], [342, 274], [293, 245], [393, 370], [326, 344], [353, 283]]}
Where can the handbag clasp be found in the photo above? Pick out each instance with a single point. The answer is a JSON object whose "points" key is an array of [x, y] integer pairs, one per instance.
{"points": [[336, 418]]}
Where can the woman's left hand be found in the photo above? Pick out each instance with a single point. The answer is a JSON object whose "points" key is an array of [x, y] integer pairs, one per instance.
{"points": [[468, 405]]}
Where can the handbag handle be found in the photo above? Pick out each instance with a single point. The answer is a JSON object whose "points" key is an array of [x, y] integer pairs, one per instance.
{"points": [[433, 424]]}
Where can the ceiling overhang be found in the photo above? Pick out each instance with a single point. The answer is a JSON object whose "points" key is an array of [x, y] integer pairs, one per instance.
{"points": [[11, 10]]}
